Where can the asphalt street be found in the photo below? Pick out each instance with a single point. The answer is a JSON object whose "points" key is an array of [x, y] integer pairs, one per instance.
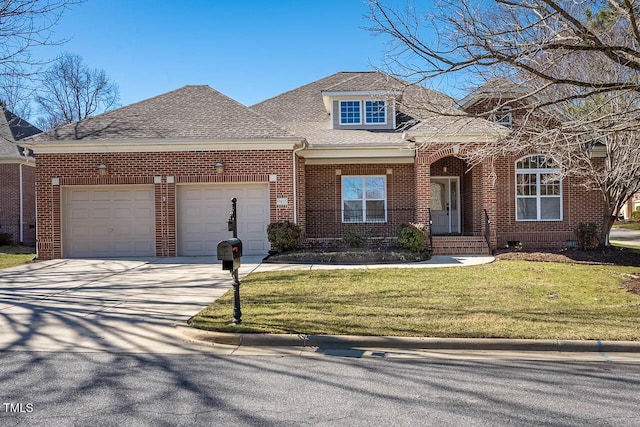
{"points": [[71, 389]]}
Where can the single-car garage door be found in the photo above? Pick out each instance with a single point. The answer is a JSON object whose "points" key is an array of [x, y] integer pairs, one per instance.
{"points": [[203, 212], [110, 221]]}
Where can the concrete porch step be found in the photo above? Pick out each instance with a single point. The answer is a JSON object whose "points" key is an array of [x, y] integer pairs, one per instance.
{"points": [[460, 245]]}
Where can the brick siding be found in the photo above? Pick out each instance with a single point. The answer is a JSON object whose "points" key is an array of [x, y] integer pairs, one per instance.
{"points": [[10, 202], [250, 166], [323, 199]]}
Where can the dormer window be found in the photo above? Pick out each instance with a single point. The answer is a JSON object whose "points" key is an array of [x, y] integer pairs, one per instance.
{"points": [[375, 112], [503, 116], [350, 113]]}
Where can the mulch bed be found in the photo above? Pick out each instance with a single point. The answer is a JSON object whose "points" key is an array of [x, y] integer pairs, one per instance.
{"points": [[607, 256]]}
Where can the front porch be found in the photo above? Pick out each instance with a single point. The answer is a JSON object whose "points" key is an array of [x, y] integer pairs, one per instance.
{"points": [[454, 203]]}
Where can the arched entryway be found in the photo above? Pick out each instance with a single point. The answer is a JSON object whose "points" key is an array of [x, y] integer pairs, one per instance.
{"points": [[451, 204]]}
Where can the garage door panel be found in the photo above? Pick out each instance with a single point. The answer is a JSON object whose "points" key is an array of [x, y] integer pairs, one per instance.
{"points": [[144, 213], [109, 221], [80, 196], [79, 213], [213, 204], [122, 213], [99, 196], [212, 194]]}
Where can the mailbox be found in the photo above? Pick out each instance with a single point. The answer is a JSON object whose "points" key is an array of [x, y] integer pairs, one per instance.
{"points": [[229, 252]]}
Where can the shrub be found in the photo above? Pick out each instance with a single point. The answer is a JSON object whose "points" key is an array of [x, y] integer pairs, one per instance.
{"points": [[353, 239], [635, 215], [588, 235], [412, 237], [284, 236], [6, 239]]}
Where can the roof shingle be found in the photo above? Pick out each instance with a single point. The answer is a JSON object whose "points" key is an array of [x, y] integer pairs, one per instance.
{"points": [[191, 112]]}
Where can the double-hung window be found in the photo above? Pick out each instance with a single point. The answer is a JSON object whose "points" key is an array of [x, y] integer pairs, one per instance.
{"points": [[364, 199], [351, 112], [538, 189]]}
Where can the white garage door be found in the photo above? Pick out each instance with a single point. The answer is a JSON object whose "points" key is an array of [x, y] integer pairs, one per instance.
{"points": [[203, 212], [112, 221]]}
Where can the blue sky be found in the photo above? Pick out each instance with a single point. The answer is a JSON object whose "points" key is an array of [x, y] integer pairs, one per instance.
{"points": [[248, 50]]}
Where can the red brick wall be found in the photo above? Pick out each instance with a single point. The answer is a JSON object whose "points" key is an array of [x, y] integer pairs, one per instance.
{"points": [[10, 202], [140, 168], [578, 205], [324, 199]]}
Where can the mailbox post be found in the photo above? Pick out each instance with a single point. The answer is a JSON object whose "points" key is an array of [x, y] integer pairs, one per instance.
{"points": [[232, 224], [229, 252]]}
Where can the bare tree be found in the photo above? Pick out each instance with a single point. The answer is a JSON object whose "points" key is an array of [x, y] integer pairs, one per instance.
{"points": [[16, 94], [25, 24], [71, 91], [576, 62]]}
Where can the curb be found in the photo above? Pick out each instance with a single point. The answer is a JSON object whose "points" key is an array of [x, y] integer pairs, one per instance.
{"points": [[351, 341]]}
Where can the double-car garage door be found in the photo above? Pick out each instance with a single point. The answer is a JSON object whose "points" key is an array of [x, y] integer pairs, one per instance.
{"points": [[119, 221]]}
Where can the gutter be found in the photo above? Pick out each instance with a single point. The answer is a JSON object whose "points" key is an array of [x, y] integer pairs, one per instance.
{"points": [[21, 206], [295, 181]]}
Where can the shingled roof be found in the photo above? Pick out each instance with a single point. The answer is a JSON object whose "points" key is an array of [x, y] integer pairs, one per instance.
{"points": [[302, 110], [191, 112], [13, 128]]}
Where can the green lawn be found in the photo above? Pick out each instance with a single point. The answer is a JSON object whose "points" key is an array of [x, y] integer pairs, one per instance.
{"points": [[11, 256], [507, 299], [628, 226]]}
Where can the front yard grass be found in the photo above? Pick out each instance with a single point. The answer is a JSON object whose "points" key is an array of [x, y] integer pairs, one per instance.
{"points": [[11, 256], [628, 225], [505, 299]]}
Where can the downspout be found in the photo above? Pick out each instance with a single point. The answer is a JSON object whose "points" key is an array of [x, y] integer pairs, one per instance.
{"points": [[21, 207], [295, 182]]}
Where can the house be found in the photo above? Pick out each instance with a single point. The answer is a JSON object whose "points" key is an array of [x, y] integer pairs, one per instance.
{"points": [[630, 206], [352, 153], [17, 180], [156, 178]]}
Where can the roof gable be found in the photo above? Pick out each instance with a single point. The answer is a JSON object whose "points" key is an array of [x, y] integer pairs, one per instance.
{"points": [[13, 128], [191, 112]]}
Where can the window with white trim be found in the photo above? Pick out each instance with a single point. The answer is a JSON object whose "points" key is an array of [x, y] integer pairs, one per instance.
{"points": [[538, 189], [503, 116], [375, 112], [350, 113], [364, 198]]}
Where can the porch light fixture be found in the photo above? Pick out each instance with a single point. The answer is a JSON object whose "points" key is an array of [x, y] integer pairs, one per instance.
{"points": [[219, 167], [103, 169]]}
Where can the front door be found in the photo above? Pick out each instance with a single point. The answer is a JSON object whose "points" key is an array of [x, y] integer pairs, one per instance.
{"points": [[445, 202]]}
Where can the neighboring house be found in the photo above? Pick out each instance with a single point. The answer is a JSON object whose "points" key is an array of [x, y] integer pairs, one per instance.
{"points": [[351, 153], [631, 205], [17, 180]]}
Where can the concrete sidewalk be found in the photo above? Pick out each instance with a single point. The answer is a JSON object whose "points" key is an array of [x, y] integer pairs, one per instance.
{"points": [[437, 261]]}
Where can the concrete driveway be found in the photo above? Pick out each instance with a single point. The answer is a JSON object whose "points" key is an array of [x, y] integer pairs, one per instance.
{"points": [[118, 305]]}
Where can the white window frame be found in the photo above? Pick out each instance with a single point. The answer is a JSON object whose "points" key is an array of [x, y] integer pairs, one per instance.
{"points": [[362, 105], [363, 218], [359, 103], [504, 116], [384, 109], [538, 172]]}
